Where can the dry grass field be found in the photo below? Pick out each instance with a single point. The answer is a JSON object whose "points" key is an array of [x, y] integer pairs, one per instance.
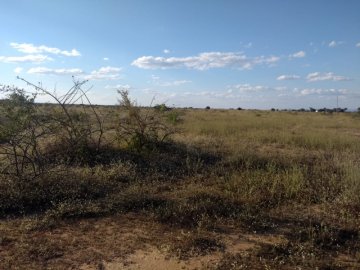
{"points": [[229, 189]]}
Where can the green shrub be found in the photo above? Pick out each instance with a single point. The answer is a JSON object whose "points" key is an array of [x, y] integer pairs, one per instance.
{"points": [[29, 133], [144, 129], [20, 133]]}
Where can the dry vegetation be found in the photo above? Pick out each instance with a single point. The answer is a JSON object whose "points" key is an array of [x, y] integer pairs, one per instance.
{"points": [[226, 189]]}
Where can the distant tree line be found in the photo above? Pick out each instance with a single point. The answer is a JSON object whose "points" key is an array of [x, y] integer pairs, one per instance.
{"points": [[325, 110]]}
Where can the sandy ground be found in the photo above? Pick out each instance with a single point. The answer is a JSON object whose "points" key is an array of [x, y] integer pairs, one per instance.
{"points": [[152, 257], [125, 242]]}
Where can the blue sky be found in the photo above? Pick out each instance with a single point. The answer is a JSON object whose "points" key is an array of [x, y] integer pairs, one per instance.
{"points": [[218, 53]]}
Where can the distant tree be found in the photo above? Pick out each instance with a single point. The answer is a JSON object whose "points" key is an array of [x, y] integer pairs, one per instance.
{"points": [[162, 107], [239, 108], [312, 109], [207, 107], [273, 109]]}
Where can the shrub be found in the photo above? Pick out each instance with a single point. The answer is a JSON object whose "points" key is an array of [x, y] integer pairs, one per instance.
{"points": [[20, 132], [75, 122], [33, 138], [144, 129], [162, 107]]}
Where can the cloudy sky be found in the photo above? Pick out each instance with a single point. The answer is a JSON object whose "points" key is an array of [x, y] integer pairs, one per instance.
{"points": [[218, 53]]}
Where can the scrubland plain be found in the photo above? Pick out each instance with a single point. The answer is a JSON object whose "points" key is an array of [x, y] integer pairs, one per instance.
{"points": [[228, 189]]}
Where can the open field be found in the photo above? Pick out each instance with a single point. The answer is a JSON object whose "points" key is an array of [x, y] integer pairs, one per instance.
{"points": [[231, 190]]}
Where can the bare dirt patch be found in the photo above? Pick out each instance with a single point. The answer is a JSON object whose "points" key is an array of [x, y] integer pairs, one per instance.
{"points": [[118, 242]]}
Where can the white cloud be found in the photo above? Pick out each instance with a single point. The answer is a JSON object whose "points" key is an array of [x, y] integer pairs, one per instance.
{"points": [[329, 76], [335, 43], [239, 91], [249, 88], [73, 52], [33, 58], [319, 91], [18, 70], [104, 73], [106, 59], [119, 86], [204, 61], [156, 96], [299, 54], [32, 49], [155, 78], [157, 81], [210, 94], [288, 77], [332, 44], [248, 46], [166, 51], [281, 88], [358, 45], [60, 71], [174, 83]]}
